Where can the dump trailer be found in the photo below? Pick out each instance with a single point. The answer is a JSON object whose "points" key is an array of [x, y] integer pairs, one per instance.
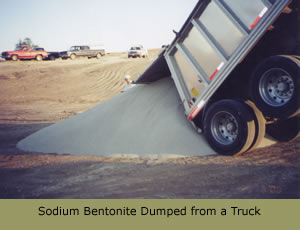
{"points": [[235, 65]]}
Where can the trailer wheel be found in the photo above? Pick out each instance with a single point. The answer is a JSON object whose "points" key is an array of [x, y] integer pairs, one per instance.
{"points": [[229, 127], [14, 57], [275, 87], [285, 130], [260, 126]]}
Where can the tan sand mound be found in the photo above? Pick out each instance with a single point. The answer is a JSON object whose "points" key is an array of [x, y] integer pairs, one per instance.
{"points": [[146, 121]]}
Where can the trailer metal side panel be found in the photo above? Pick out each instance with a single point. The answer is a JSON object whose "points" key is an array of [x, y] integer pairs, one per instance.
{"points": [[215, 38]]}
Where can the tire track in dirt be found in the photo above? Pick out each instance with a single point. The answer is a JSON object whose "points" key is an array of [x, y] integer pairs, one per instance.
{"points": [[63, 87], [112, 77]]}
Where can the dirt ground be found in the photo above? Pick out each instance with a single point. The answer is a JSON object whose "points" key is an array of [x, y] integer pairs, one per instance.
{"points": [[35, 94]]}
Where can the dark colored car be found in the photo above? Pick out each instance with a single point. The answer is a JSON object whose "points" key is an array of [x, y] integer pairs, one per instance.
{"points": [[82, 51]]}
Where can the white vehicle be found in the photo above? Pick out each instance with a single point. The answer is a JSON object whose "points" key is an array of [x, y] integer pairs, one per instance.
{"points": [[236, 67], [137, 51]]}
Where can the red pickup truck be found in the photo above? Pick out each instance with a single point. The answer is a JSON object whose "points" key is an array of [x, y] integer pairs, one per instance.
{"points": [[25, 52]]}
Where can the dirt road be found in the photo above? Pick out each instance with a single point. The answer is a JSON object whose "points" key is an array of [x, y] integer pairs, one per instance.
{"points": [[34, 95]]}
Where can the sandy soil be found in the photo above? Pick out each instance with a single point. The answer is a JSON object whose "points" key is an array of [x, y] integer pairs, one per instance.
{"points": [[34, 95]]}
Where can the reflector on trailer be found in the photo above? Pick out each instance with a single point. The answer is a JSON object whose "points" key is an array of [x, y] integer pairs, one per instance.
{"points": [[196, 110], [262, 13], [217, 70]]}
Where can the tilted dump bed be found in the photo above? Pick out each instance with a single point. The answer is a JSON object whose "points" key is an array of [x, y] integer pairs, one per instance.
{"points": [[217, 36], [236, 69]]}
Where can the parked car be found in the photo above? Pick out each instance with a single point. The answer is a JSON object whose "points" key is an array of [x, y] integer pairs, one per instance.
{"points": [[25, 52], [82, 51], [38, 49], [137, 51], [53, 55]]}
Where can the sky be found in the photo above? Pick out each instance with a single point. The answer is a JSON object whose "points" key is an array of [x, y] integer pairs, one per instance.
{"points": [[56, 25]]}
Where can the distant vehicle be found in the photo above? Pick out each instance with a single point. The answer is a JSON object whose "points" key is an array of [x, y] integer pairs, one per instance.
{"points": [[82, 51], [53, 55], [25, 52], [137, 51], [38, 49]]}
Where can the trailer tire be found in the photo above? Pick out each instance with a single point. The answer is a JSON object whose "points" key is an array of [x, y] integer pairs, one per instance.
{"points": [[275, 85], [260, 126], [285, 130], [229, 127]]}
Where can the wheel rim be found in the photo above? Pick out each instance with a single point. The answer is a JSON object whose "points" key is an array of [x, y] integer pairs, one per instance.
{"points": [[98, 56], [224, 128], [276, 87], [14, 58]]}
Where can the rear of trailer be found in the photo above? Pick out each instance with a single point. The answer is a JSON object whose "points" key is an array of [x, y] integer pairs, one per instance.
{"points": [[236, 69]]}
